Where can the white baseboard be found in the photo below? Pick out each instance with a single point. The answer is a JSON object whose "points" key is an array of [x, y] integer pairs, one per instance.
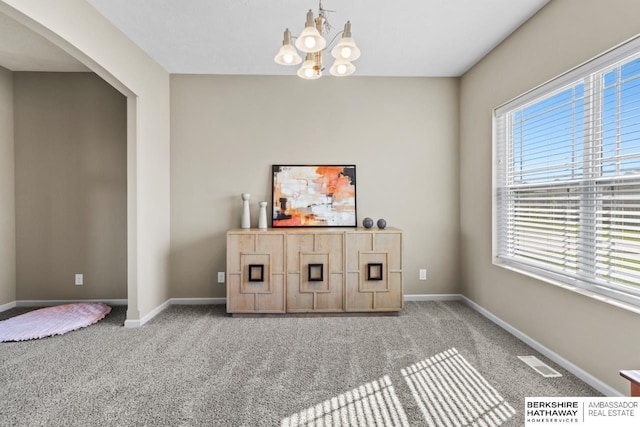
{"points": [[153, 313], [433, 297], [50, 302], [575, 370], [198, 301], [132, 324], [173, 301], [7, 306]]}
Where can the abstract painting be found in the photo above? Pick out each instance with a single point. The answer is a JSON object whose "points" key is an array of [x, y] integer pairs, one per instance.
{"points": [[314, 196]]}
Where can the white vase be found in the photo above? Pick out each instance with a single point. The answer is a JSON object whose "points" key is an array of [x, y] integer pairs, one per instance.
{"points": [[246, 215], [262, 217]]}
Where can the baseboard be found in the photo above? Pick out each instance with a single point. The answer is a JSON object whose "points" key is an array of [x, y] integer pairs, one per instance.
{"points": [[198, 301], [50, 302], [153, 313], [575, 370], [173, 301], [433, 297], [7, 306], [132, 324]]}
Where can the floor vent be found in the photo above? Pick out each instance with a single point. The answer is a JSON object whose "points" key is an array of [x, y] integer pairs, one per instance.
{"points": [[540, 367]]}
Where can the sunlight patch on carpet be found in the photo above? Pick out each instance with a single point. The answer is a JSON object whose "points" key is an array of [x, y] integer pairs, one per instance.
{"points": [[49, 321], [371, 404], [451, 392]]}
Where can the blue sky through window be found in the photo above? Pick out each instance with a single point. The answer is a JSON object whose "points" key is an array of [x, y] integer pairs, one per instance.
{"points": [[621, 120], [549, 136]]}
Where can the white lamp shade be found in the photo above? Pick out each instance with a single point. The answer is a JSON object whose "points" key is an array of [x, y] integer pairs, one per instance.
{"points": [[310, 41], [346, 50], [307, 71], [287, 55], [342, 68]]}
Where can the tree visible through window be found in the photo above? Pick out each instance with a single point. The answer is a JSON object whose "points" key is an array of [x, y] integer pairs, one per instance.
{"points": [[568, 177]]}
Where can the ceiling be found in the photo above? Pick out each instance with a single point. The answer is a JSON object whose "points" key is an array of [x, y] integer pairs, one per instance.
{"points": [[402, 38]]}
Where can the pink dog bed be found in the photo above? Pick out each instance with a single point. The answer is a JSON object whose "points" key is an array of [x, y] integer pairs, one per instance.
{"points": [[49, 321]]}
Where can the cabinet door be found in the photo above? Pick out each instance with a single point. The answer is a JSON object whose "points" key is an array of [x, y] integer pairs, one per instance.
{"points": [[255, 272], [315, 272], [374, 271]]}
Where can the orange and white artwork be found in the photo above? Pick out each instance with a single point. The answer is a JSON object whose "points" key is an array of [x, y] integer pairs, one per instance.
{"points": [[314, 196]]}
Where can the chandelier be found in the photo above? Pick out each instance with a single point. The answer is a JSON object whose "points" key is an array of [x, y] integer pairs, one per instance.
{"points": [[313, 44]]}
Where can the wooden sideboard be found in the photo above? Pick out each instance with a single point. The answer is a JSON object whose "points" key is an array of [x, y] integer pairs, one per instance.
{"points": [[634, 381], [318, 270]]}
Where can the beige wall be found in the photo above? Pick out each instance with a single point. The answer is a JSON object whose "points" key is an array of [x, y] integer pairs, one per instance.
{"points": [[227, 131], [7, 195], [76, 27], [71, 186], [595, 336]]}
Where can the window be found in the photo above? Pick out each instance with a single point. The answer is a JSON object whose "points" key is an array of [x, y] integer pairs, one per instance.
{"points": [[567, 173]]}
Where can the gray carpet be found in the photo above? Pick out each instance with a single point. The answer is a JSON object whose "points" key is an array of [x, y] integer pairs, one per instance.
{"points": [[438, 363]]}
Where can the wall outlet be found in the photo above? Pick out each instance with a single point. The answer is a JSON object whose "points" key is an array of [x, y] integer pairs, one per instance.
{"points": [[423, 274], [220, 276], [79, 279]]}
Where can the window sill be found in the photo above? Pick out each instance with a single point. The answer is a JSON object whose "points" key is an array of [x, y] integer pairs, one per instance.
{"points": [[576, 289]]}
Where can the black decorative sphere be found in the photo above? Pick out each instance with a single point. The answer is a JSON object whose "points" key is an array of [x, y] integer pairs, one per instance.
{"points": [[382, 223], [367, 223]]}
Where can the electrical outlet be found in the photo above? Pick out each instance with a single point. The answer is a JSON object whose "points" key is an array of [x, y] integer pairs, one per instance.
{"points": [[220, 276], [79, 279], [423, 274]]}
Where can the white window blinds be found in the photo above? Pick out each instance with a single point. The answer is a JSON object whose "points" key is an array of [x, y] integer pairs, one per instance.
{"points": [[568, 177]]}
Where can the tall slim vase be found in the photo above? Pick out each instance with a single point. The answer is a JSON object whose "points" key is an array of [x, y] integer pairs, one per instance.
{"points": [[246, 214], [262, 217]]}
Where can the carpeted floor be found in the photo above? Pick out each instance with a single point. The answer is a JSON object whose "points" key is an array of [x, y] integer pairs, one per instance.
{"points": [[436, 363]]}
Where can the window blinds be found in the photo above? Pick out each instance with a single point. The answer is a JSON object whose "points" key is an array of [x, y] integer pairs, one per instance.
{"points": [[568, 177]]}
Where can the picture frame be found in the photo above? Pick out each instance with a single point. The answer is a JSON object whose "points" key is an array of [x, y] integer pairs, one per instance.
{"points": [[314, 196]]}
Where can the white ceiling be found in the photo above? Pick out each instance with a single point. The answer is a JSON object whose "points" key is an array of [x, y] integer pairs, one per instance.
{"points": [[397, 38], [401, 38]]}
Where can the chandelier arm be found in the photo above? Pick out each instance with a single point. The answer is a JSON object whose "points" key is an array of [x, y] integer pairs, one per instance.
{"points": [[329, 45]]}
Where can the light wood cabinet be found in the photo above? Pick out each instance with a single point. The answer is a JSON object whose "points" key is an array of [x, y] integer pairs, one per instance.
{"points": [[374, 271], [255, 272], [314, 270]]}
